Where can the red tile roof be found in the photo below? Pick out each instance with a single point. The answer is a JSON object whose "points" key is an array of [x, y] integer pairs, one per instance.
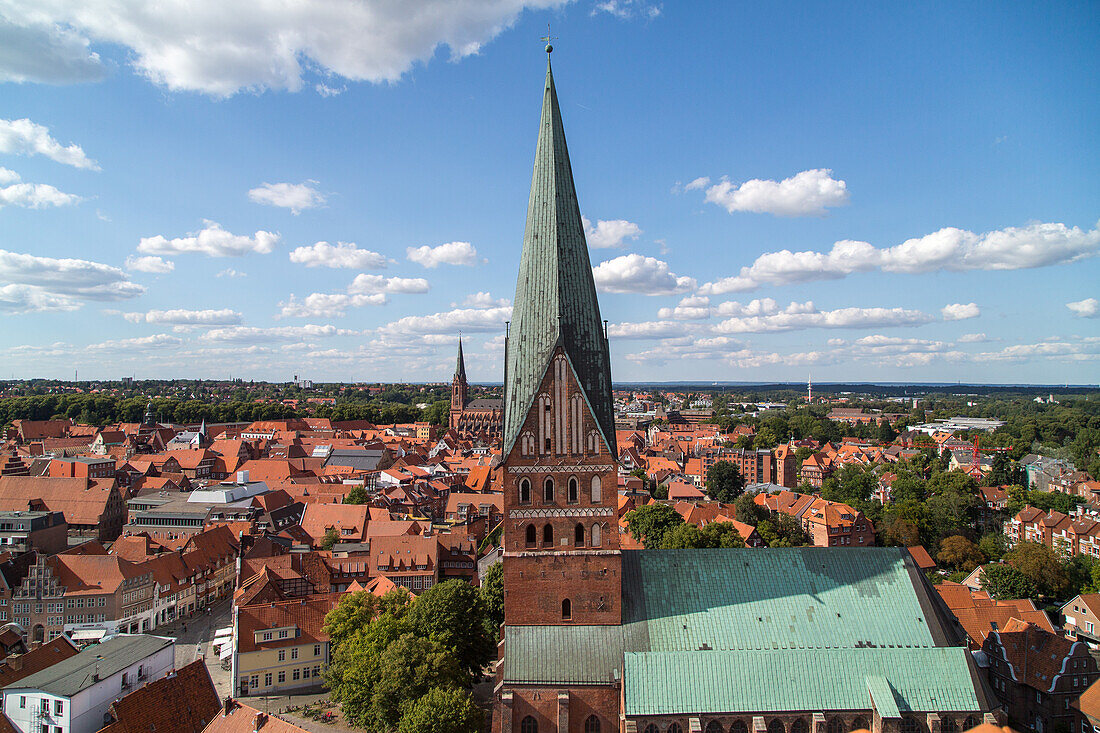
{"points": [[183, 701]]}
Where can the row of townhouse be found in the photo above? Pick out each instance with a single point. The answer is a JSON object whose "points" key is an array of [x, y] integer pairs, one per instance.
{"points": [[1068, 535], [828, 523], [90, 593]]}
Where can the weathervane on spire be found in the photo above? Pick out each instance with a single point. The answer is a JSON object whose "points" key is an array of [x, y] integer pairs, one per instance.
{"points": [[547, 39]]}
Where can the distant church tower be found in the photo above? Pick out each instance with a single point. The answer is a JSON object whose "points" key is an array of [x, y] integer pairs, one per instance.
{"points": [[459, 389], [562, 564]]}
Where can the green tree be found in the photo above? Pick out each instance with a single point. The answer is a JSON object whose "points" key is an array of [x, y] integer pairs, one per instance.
{"points": [[724, 481], [331, 538], [648, 524], [765, 439], [492, 594], [852, 484], [783, 530], [408, 669], [1039, 564], [1079, 572], [357, 495], [683, 537], [993, 545], [1006, 582], [442, 710], [748, 511], [722, 534], [454, 613], [901, 532], [960, 553]]}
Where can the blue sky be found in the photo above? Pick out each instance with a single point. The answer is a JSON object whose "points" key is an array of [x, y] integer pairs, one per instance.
{"points": [[333, 190]]}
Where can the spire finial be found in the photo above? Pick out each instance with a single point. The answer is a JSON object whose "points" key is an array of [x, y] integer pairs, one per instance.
{"points": [[547, 39]]}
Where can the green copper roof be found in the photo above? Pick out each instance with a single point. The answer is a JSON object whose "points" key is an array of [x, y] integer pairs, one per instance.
{"points": [[562, 654], [898, 680], [555, 294], [460, 367]]}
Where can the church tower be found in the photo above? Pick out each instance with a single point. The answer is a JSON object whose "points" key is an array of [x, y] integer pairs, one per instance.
{"points": [[459, 389], [562, 564]]}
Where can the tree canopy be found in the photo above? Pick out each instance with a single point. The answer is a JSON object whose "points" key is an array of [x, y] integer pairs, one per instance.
{"points": [[724, 481], [650, 523]]}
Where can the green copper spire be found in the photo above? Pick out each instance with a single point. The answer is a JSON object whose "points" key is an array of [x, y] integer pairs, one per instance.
{"points": [[460, 367], [555, 294]]}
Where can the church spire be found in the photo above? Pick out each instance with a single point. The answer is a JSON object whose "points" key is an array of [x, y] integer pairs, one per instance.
{"points": [[555, 300], [460, 367]]}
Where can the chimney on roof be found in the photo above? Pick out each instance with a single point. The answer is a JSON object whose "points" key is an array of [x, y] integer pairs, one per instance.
{"points": [[227, 705], [258, 721]]}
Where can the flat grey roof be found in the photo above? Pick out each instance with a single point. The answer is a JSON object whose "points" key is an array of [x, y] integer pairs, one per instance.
{"points": [[70, 676]]}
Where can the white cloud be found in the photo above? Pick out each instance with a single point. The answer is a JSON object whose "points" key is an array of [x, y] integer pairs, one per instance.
{"points": [[797, 316], [23, 137], [365, 284], [634, 273], [183, 317], [960, 311], [626, 9], [451, 253], [294, 196], [230, 272], [221, 47], [326, 91], [453, 321], [256, 335], [609, 234], [141, 343], [8, 176], [48, 283], [879, 345], [332, 305], [691, 308], [212, 241], [698, 184], [973, 338], [340, 255], [485, 300], [1087, 308], [808, 193], [150, 263], [645, 330], [1034, 245], [762, 307], [46, 54], [693, 347], [35, 196]]}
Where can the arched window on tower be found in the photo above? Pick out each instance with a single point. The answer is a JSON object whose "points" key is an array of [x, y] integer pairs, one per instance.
{"points": [[578, 535], [713, 727], [548, 490], [548, 536], [592, 724], [597, 490], [528, 725], [573, 491], [566, 610], [531, 535], [524, 491], [675, 728], [596, 539]]}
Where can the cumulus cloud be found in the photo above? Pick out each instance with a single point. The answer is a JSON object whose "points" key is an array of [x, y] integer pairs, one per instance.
{"points": [[485, 300], [452, 321], [141, 343], [221, 47], [698, 184], [333, 305], [365, 284], [256, 335], [973, 338], [23, 137], [634, 273], [960, 311], [339, 255], [212, 241], [294, 196], [326, 91], [1087, 308], [35, 196], [645, 330], [691, 308], [609, 234], [766, 317], [879, 345], [1013, 248], [46, 54], [627, 9], [230, 272], [808, 193], [34, 283], [183, 317], [150, 263], [451, 253]]}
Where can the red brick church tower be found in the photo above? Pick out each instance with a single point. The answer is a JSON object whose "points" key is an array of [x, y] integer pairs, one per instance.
{"points": [[459, 389], [562, 564]]}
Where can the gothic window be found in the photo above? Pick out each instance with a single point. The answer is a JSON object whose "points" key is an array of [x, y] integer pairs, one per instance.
{"points": [[596, 539], [835, 725], [592, 724], [573, 491], [597, 490], [675, 728], [531, 535], [524, 491], [860, 723], [566, 610], [714, 727], [908, 724], [972, 721], [548, 536], [798, 726], [578, 535], [651, 729], [529, 725], [948, 725], [548, 490], [739, 726], [776, 726]]}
